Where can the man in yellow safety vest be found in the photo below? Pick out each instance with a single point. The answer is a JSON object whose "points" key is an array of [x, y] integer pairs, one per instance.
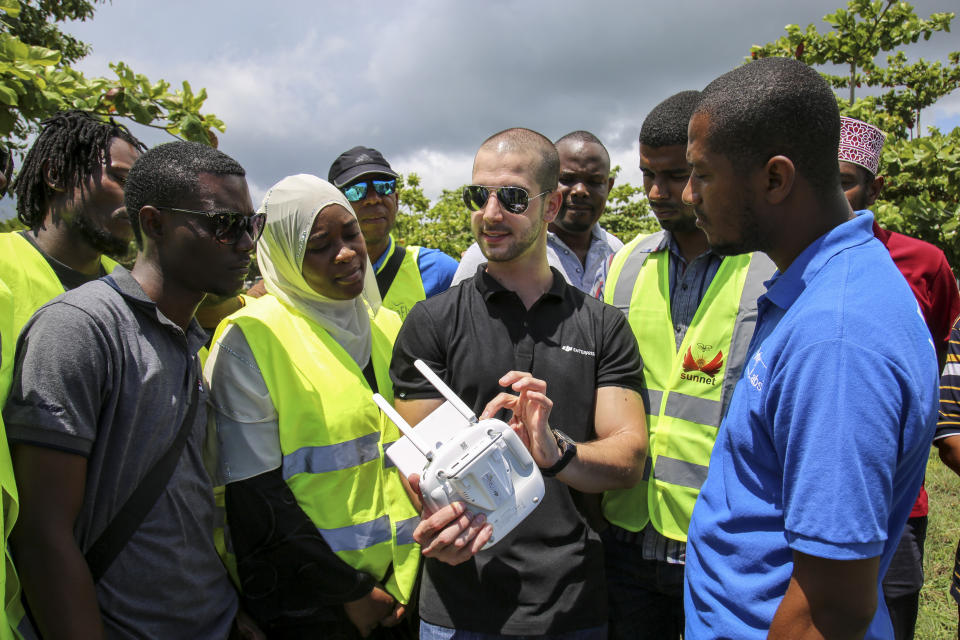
{"points": [[692, 312], [70, 195]]}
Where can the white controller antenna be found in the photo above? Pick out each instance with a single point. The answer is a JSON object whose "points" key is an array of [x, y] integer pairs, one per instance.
{"points": [[407, 430], [445, 391]]}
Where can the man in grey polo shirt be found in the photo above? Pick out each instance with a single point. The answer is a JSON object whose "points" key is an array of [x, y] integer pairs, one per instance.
{"points": [[105, 376], [576, 244]]}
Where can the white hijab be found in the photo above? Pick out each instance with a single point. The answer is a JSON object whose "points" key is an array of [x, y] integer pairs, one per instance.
{"points": [[291, 206]]}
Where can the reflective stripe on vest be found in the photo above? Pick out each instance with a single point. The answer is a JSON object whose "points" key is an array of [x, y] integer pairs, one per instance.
{"points": [[405, 530], [332, 457], [693, 409], [358, 536], [407, 288], [332, 434], [688, 389], [680, 472]]}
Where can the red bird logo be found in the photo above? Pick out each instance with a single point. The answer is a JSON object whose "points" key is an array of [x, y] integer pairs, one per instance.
{"points": [[700, 364]]}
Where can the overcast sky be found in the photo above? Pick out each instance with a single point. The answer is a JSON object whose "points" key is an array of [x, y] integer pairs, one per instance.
{"points": [[425, 81]]}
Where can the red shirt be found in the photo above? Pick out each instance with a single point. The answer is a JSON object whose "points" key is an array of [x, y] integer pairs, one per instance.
{"points": [[932, 281]]}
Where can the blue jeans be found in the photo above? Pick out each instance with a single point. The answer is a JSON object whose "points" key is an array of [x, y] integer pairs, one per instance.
{"points": [[646, 596], [434, 632]]}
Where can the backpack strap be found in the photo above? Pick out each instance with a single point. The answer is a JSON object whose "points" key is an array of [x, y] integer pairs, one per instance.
{"points": [[389, 272], [114, 538]]}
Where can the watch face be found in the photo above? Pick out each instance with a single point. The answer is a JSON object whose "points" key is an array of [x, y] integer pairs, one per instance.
{"points": [[563, 440]]}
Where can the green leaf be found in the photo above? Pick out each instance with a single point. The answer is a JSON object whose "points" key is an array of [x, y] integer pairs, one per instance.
{"points": [[8, 96], [10, 7]]}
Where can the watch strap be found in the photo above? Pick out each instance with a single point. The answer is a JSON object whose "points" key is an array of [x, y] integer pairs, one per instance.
{"points": [[568, 449]]}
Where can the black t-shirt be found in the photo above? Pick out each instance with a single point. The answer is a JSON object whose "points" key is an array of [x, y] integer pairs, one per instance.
{"points": [[547, 575]]}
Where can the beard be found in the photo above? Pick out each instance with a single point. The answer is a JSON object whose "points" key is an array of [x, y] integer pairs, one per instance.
{"points": [[574, 225], [521, 243], [750, 237], [99, 238], [684, 223]]}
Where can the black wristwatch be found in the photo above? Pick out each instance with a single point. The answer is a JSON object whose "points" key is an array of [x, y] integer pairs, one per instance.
{"points": [[568, 449]]}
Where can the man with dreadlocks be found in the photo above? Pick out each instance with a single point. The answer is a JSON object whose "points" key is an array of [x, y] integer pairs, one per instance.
{"points": [[70, 195]]}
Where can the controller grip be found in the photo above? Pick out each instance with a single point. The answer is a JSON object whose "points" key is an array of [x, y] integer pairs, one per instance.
{"points": [[519, 452], [435, 498]]}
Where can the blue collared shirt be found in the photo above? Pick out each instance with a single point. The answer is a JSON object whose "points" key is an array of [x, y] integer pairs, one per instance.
{"points": [[826, 440]]}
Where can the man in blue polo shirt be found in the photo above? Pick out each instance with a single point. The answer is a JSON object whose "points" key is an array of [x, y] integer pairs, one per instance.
{"points": [[823, 449]]}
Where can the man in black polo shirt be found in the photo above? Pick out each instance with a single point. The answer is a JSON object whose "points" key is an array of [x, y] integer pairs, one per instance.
{"points": [[575, 365]]}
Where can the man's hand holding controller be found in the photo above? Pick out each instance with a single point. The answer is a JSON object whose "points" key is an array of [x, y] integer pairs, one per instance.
{"points": [[452, 534]]}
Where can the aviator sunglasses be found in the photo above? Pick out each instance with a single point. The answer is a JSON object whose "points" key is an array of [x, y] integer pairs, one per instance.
{"points": [[357, 192], [512, 199], [229, 226]]}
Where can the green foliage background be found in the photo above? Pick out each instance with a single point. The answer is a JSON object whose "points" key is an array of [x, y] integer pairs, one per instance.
{"points": [[921, 197], [37, 79]]}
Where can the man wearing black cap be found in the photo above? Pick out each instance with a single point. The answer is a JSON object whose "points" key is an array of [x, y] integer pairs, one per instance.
{"points": [[405, 275]]}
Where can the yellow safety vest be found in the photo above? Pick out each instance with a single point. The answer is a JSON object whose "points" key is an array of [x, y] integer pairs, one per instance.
{"points": [[30, 277], [32, 283], [332, 437], [12, 610], [687, 390], [406, 289]]}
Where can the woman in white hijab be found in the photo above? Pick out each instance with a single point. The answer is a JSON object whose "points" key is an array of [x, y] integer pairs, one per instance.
{"points": [[321, 529]]}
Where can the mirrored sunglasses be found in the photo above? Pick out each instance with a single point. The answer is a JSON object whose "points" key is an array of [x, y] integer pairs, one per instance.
{"points": [[358, 191], [512, 199]]}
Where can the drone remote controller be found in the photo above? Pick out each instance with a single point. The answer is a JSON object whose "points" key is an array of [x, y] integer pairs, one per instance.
{"points": [[483, 463]]}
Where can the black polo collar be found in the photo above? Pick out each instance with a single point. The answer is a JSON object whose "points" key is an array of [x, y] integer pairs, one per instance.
{"points": [[488, 286]]}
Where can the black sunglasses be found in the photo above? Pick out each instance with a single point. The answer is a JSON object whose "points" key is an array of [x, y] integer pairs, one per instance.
{"points": [[229, 226], [357, 192], [512, 199]]}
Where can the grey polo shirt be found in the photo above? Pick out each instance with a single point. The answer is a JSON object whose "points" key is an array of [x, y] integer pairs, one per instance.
{"points": [[102, 373]]}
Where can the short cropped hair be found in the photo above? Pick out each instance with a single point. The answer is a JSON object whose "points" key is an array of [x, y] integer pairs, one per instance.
{"points": [[75, 144], [666, 125], [169, 173], [584, 137], [775, 106], [526, 140]]}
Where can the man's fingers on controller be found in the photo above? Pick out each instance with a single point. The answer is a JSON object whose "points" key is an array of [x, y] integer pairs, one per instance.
{"points": [[476, 524], [452, 532], [512, 376], [539, 398], [482, 538], [430, 526], [502, 400], [414, 480], [519, 380], [521, 433]]}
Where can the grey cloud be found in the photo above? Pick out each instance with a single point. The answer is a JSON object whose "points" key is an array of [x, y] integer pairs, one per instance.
{"points": [[299, 82]]}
